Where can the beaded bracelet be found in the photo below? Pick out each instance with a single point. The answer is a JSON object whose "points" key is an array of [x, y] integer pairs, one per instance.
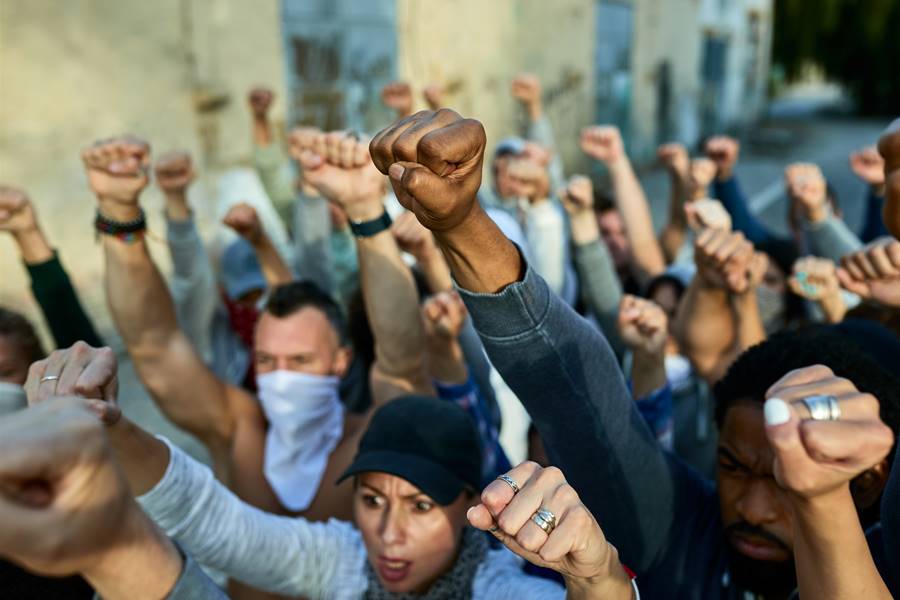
{"points": [[126, 231]]}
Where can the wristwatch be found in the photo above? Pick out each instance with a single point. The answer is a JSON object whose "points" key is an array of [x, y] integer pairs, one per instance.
{"points": [[373, 227]]}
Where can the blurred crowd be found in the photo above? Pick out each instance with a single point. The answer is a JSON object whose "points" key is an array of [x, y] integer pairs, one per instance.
{"points": [[422, 376]]}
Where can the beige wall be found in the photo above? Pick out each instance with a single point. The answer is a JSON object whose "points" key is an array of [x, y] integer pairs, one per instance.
{"points": [[74, 71], [481, 46]]}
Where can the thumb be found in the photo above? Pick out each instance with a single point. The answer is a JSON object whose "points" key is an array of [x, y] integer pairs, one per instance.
{"points": [[416, 181], [309, 160], [859, 288], [783, 432]]}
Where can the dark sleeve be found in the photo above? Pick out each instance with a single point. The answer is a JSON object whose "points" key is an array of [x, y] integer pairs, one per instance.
{"points": [[730, 194], [566, 375], [890, 523], [873, 224], [62, 310], [480, 368]]}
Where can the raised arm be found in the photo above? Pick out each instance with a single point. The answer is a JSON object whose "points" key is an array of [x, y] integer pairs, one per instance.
{"points": [[828, 235], [397, 96], [49, 281], [718, 317], [889, 148], [605, 144], [527, 89], [242, 218], [677, 162], [419, 243], [867, 164], [815, 279], [814, 464], [341, 169], [559, 366], [268, 157], [184, 388]]}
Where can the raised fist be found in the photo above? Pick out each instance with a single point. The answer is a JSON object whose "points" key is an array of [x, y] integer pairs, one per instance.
{"points": [[603, 143], [575, 546], [434, 160], [91, 373], [578, 196], [806, 185], [117, 168], [526, 88], [727, 260], [338, 166], [701, 173], [413, 237], [529, 178], [16, 212], [868, 165], [643, 326], [723, 151], [674, 157], [242, 218], [434, 95], [874, 272], [889, 148], [397, 96], [813, 458], [538, 153], [707, 214], [815, 278], [64, 504], [260, 100], [444, 315], [174, 172]]}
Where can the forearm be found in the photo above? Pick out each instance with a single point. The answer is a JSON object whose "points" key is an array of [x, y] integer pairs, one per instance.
{"points": [[648, 373], [831, 238], [275, 270], [392, 306], [446, 362], [674, 233], [146, 566], [705, 328], [613, 584], [436, 272], [262, 131], [729, 193], [144, 458], [830, 550], [833, 307], [33, 246], [635, 212], [750, 329], [601, 288]]}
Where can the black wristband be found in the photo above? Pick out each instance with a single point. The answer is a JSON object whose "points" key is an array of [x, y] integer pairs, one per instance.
{"points": [[373, 227], [125, 230]]}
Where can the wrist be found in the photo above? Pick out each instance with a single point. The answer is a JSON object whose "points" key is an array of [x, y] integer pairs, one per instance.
{"points": [[117, 210], [33, 245], [177, 208], [724, 174], [611, 582], [822, 506], [584, 228], [360, 212], [816, 214], [535, 110]]}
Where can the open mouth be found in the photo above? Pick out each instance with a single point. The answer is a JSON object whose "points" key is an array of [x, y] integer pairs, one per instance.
{"points": [[393, 570]]}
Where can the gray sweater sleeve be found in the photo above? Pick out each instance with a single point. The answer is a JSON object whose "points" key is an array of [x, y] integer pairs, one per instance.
{"points": [[601, 289], [312, 241], [285, 555], [831, 238], [651, 507]]}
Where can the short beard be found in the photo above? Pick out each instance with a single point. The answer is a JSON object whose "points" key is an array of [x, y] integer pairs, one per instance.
{"points": [[776, 579]]}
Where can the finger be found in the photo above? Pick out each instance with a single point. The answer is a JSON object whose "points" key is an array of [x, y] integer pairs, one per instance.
{"points": [[879, 259], [733, 246], [558, 501], [47, 387], [852, 446], [850, 284], [800, 376], [497, 494], [529, 499], [382, 145], [783, 433], [854, 406], [864, 264], [99, 376], [409, 145], [571, 529], [35, 373], [78, 357]]}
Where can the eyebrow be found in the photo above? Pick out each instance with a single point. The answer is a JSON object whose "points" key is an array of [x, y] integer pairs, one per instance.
{"points": [[725, 452], [407, 497]]}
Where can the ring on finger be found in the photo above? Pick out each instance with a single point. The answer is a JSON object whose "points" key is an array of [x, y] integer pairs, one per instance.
{"points": [[46, 378], [823, 407], [544, 519], [510, 482]]}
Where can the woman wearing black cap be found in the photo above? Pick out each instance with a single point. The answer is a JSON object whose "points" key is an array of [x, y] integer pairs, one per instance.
{"points": [[416, 476]]}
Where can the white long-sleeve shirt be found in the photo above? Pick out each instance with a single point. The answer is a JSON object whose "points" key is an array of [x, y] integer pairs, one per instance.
{"points": [[288, 555]]}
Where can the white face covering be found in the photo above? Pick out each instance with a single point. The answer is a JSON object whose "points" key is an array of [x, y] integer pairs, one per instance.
{"points": [[12, 397], [306, 421]]}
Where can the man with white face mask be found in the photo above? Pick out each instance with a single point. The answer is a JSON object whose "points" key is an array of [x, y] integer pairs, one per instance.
{"points": [[284, 451]]}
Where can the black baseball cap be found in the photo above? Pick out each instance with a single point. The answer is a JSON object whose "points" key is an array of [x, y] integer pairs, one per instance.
{"points": [[429, 442]]}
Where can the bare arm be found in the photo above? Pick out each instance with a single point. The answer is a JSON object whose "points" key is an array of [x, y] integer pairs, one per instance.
{"points": [[605, 144], [676, 160], [242, 218]]}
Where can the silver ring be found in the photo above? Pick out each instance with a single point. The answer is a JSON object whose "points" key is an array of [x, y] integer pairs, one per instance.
{"points": [[510, 482], [544, 519], [823, 408], [49, 378]]}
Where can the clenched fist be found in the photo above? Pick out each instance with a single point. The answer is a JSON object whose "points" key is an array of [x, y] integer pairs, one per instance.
{"points": [[674, 157], [806, 185], [434, 161], [727, 260], [413, 237], [117, 169], [874, 272], [578, 196], [444, 315], [397, 96], [700, 174], [174, 172], [434, 95], [643, 326], [260, 100], [723, 151], [813, 458], [526, 88], [338, 166], [868, 165], [16, 213], [242, 218], [707, 214], [889, 148], [530, 179], [603, 143], [815, 279]]}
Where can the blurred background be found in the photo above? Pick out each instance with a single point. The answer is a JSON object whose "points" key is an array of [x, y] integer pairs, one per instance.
{"points": [[794, 79]]}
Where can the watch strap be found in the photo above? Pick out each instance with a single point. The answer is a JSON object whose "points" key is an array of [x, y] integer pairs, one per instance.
{"points": [[373, 227]]}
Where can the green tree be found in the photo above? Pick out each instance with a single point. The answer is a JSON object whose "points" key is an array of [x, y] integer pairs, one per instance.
{"points": [[855, 42]]}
